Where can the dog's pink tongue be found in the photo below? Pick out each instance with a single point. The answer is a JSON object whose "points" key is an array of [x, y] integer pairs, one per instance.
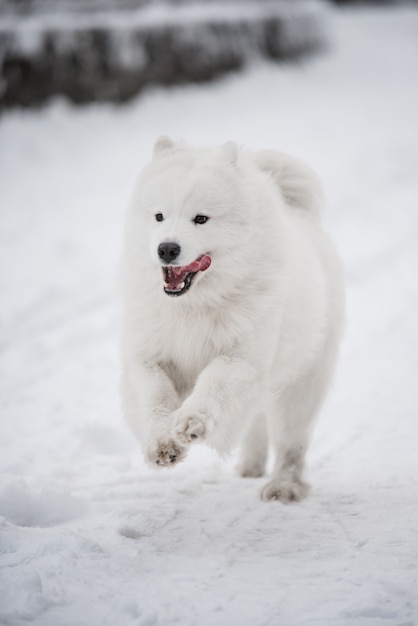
{"points": [[201, 264], [178, 274]]}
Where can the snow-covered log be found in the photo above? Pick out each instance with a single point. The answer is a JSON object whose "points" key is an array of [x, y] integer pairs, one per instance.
{"points": [[111, 55]]}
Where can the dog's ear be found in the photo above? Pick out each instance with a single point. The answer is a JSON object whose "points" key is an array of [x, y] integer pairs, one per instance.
{"points": [[229, 152], [162, 144]]}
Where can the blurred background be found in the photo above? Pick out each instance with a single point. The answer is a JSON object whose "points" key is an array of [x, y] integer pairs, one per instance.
{"points": [[89, 50], [89, 535]]}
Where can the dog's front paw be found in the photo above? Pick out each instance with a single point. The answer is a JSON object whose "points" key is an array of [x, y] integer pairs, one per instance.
{"points": [[166, 453], [285, 490], [188, 428]]}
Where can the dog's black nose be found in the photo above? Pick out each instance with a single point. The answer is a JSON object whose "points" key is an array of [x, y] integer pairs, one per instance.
{"points": [[168, 251]]}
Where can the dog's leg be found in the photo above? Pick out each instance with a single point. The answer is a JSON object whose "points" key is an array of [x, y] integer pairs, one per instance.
{"points": [[290, 447], [149, 399], [291, 420], [254, 448], [226, 392]]}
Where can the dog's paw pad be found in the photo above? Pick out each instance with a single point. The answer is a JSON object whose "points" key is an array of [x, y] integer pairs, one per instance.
{"points": [[189, 429], [167, 453], [285, 491]]}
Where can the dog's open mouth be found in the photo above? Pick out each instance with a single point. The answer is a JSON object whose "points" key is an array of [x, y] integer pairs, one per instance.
{"points": [[178, 280]]}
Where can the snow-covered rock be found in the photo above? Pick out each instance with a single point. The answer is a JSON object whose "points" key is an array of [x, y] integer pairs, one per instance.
{"points": [[111, 55]]}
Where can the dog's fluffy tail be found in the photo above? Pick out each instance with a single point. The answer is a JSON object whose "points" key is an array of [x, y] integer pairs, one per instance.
{"points": [[299, 185]]}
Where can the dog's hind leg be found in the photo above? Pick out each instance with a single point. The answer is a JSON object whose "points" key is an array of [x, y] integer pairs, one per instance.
{"points": [[291, 419], [254, 448], [290, 424], [289, 429]]}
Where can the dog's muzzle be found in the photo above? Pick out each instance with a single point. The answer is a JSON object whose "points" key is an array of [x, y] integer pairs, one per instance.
{"points": [[178, 279]]}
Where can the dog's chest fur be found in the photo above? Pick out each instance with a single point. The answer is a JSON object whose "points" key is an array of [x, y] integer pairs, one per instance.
{"points": [[185, 340]]}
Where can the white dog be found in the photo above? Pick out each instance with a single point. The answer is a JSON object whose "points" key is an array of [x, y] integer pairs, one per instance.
{"points": [[233, 307]]}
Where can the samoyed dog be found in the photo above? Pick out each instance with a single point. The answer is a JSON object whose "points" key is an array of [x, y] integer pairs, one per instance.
{"points": [[233, 307]]}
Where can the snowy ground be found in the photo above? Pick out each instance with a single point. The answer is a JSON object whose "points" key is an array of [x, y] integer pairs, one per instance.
{"points": [[90, 536]]}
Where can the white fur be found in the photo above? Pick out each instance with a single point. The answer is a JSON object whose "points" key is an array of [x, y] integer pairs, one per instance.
{"points": [[248, 352]]}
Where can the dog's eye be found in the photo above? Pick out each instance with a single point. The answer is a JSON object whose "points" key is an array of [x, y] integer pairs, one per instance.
{"points": [[200, 219], [159, 217]]}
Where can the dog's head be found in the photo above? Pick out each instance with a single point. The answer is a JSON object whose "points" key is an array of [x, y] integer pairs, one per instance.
{"points": [[196, 214]]}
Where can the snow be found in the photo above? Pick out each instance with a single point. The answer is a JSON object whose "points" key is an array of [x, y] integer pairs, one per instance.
{"points": [[89, 534]]}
